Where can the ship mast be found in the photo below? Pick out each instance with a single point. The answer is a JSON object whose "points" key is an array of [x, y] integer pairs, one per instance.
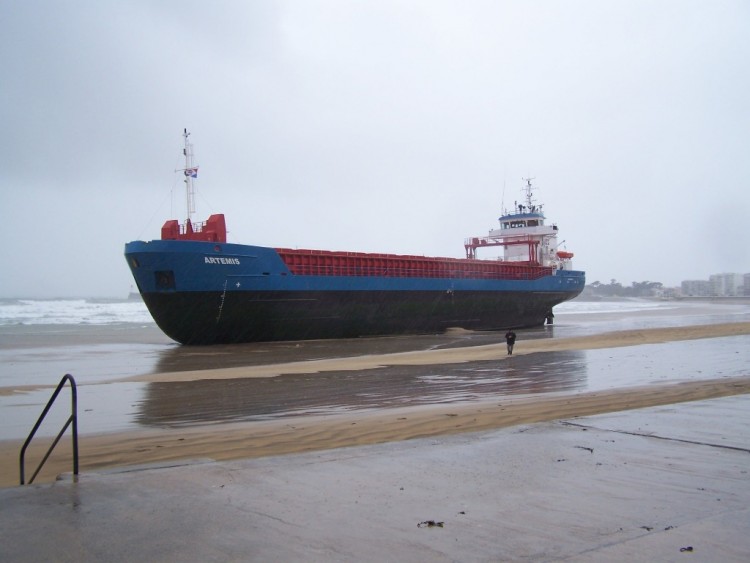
{"points": [[191, 172], [212, 230], [528, 191]]}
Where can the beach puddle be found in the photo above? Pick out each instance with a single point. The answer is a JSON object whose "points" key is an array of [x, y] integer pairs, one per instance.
{"points": [[221, 400], [332, 392], [32, 361]]}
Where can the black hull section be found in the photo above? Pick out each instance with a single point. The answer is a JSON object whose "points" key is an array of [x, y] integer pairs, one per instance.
{"points": [[232, 317]]}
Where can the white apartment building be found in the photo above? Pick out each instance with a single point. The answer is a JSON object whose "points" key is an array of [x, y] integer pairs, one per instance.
{"points": [[727, 285]]}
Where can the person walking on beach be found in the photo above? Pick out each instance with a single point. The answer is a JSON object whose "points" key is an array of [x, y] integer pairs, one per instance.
{"points": [[510, 338]]}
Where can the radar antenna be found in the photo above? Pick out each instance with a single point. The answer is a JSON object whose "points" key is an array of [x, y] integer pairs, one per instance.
{"points": [[528, 191]]}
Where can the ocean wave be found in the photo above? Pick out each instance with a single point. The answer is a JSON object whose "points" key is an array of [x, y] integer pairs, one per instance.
{"points": [[72, 312], [625, 306]]}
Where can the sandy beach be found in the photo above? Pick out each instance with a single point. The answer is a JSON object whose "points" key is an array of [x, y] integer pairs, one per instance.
{"points": [[310, 433]]}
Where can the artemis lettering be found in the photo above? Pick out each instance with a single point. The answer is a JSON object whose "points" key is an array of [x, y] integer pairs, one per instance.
{"points": [[216, 260]]}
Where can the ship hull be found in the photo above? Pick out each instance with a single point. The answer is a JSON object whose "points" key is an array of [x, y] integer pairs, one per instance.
{"points": [[201, 293], [210, 317]]}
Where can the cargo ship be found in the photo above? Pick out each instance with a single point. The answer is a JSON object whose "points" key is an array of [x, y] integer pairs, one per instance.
{"points": [[200, 289]]}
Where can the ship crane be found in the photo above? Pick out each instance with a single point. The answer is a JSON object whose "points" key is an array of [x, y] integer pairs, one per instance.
{"points": [[471, 245]]}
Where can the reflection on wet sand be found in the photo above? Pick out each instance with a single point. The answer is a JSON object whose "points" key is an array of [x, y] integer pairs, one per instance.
{"points": [[235, 400], [189, 358]]}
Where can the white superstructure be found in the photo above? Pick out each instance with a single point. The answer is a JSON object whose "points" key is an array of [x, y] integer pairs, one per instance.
{"points": [[524, 236]]}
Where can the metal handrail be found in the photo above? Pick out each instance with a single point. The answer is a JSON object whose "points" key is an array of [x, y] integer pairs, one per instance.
{"points": [[73, 419]]}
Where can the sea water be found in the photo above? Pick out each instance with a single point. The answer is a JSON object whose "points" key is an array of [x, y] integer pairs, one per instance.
{"points": [[72, 311]]}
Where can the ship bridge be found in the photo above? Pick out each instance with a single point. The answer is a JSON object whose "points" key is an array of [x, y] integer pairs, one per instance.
{"points": [[524, 236]]}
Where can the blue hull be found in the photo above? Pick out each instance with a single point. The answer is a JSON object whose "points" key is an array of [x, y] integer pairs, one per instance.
{"points": [[206, 293]]}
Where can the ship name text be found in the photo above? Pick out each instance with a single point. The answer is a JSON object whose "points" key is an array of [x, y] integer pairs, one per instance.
{"points": [[222, 260]]}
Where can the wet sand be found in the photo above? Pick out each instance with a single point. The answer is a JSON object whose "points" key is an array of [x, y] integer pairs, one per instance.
{"points": [[310, 433], [496, 351]]}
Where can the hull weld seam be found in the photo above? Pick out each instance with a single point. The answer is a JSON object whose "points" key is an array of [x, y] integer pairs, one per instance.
{"points": [[221, 304]]}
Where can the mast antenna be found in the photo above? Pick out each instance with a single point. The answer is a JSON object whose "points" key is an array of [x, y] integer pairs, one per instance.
{"points": [[191, 172], [502, 200], [528, 190]]}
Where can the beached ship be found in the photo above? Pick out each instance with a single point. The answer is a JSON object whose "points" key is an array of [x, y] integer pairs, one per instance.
{"points": [[200, 289]]}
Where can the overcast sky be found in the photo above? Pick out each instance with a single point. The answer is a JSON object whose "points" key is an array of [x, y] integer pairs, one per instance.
{"points": [[374, 125]]}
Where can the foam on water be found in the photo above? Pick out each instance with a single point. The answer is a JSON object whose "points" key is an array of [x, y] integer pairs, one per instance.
{"points": [[597, 307], [72, 312]]}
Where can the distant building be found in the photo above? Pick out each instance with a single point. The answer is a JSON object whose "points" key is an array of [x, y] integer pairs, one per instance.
{"points": [[727, 285], [668, 293], [697, 288], [718, 285]]}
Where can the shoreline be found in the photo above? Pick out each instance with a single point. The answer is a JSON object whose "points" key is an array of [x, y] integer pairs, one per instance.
{"points": [[225, 441]]}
